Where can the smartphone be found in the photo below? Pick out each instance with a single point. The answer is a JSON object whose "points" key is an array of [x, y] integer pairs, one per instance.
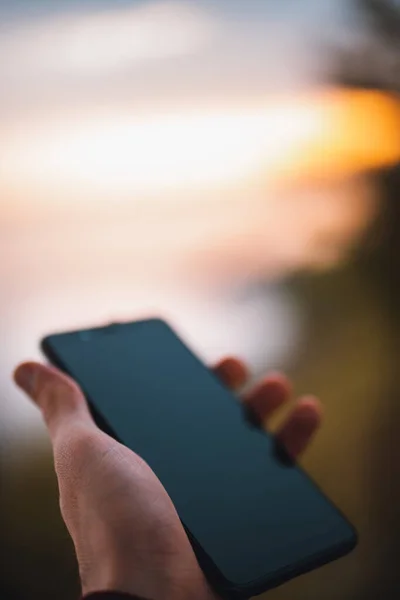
{"points": [[254, 518]]}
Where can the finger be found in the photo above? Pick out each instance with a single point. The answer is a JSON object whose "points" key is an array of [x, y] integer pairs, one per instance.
{"points": [[58, 397], [232, 372], [301, 425], [267, 396]]}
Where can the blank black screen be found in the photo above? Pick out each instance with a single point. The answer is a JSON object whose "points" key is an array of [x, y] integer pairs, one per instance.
{"points": [[251, 513]]}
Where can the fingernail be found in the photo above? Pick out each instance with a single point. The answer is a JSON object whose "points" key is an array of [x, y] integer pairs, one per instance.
{"points": [[25, 378]]}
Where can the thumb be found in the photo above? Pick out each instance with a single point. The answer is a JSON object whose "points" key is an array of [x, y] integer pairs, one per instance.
{"points": [[58, 397]]}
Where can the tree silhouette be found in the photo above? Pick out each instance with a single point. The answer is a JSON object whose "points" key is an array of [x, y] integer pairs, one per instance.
{"points": [[372, 60]]}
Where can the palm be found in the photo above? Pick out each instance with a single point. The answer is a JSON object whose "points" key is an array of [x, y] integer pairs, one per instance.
{"points": [[117, 506]]}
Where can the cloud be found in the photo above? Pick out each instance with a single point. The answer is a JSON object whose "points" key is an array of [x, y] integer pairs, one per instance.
{"points": [[97, 42]]}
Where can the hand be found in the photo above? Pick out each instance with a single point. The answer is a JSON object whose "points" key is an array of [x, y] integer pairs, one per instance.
{"points": [[126, 532]]}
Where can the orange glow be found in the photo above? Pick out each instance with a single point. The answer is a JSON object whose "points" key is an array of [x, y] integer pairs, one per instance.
{"points": [[320, 135], [328, 134], [360, 130]]}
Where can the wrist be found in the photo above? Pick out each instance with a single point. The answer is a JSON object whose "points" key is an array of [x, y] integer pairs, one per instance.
{"points": [[165, 584], [190, 589]]}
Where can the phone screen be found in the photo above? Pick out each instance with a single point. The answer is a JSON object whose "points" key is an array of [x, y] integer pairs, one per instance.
{"points": [[252, 514]]}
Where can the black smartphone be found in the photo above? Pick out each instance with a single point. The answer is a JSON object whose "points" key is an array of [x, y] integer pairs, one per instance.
{"points": [[254, 519]]}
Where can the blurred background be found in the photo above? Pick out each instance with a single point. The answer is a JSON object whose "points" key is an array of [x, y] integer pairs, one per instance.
{"points": [[233, 167]]}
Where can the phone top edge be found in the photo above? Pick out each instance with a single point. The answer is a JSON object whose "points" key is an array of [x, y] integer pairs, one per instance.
{"points": [[105, 327]]}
